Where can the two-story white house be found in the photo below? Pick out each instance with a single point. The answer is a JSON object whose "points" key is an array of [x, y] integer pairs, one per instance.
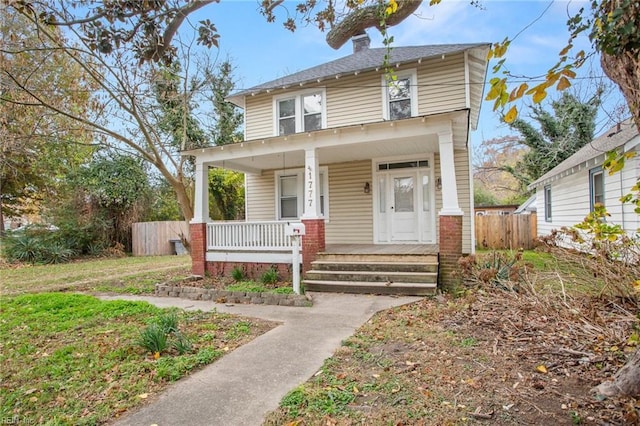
{"points": [[377, 171]]}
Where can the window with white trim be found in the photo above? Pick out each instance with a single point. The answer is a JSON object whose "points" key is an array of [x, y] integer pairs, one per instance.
{"points": [[290, 193], [547, 203], [300, 112], [596, 187], [400, 96]]}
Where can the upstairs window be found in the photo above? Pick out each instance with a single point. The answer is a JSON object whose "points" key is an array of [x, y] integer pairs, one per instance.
{"points": [[302, 112], [286, 116], [400, 96], [596, 187], [312, 106]]}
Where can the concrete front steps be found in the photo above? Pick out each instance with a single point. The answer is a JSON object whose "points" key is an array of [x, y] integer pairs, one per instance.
{"points": [[405, 274]]}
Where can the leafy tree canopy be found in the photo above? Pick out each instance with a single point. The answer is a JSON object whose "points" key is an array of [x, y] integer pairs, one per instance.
{"points": [[149, 27], [38, 147], [556, 135], [116, 181]]}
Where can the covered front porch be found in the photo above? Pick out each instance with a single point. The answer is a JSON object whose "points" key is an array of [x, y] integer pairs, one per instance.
{"points": [[385, 187]]}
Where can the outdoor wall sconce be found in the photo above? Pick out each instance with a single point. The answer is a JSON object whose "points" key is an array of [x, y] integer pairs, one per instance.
{"points": [[438, 183], [367, 187]]}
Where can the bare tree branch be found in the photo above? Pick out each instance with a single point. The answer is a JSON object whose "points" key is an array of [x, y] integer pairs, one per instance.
{"points": [[360, 19]]}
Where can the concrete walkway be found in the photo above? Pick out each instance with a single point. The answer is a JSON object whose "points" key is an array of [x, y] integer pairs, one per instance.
{"points": [[241, 387]]}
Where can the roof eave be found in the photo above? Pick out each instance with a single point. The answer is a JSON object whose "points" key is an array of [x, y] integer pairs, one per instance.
{"points": [[275, 86]]}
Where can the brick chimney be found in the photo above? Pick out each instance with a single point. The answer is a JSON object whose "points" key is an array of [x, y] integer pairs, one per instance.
{"points": [[360, 42]]}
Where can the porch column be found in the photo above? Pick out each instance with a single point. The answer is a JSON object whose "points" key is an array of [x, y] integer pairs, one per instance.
{"points": [[311, 185], [198, 225], [201, 196], [450, 204], [450, 216], [313, 241]]}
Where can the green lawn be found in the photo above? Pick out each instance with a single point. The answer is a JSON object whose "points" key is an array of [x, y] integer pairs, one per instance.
{"points": [[127, 274], [74, 359]]}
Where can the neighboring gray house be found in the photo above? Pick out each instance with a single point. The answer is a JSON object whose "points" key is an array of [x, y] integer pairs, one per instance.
{"points": [[568, 192], [368, 166]]}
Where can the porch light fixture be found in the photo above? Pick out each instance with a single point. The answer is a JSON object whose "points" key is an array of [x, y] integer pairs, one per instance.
{"points": [[438, 183], [367, 187]]}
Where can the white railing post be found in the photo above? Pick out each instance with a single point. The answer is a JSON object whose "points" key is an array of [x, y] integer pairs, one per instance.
{"points": [[296, 263]]}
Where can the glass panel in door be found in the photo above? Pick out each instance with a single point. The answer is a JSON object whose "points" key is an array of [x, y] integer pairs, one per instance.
{"points": [[403, 194], [404, 218]]}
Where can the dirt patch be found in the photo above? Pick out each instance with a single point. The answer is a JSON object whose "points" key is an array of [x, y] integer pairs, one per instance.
{"points": [[492, 357]]}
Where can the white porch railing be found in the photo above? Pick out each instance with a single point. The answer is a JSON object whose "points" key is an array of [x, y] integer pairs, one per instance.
{"points": [[248, 236]]}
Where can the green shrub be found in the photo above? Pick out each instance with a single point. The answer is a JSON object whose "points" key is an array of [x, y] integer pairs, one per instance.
{"points": [[182, 344], [238, 274], [22, 247], [168, 322], [153, 339], [501, 269], [38, 244], [270, 276], [56, 252]]}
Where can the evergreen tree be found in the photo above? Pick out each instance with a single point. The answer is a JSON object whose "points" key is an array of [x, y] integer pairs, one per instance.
{"points": [[558, 135]]}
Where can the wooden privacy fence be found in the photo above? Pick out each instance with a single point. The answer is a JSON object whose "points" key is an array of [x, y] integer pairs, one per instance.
{"points": [[154, 238], [512, 231]]}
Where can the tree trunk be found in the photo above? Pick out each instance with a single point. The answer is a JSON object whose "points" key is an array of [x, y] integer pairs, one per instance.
{"points": [[183, 198], [624, 70], [625, 382], [1, 214]]}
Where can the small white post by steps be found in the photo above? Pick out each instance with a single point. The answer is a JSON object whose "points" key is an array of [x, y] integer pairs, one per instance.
{"points": [[295, 231], [295, 241]]}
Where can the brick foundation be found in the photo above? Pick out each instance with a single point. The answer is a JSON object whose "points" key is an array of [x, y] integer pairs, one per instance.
{"points": [[252, 270], [312, 242], [198, 246], [450, 244]]}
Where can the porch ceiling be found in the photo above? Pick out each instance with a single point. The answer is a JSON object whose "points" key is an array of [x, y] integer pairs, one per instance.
{"points": [[352, 143]]}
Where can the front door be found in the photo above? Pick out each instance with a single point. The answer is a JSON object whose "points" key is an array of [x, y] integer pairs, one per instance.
{"points": [[404, 202], [403, 209]]}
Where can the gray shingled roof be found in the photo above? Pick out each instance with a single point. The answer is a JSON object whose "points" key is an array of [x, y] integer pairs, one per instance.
{"points": [[609, 140], [364, 60]]}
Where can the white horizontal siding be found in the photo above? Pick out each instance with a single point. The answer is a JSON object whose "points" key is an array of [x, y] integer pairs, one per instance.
{"points": [[570, 199], [441, 85], [569, 202], [261, 197], [350, 209], [258, 116], [356, 99], [618, 185]]}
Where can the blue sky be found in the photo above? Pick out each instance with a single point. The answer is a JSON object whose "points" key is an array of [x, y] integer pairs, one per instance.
{"points": [[263, 51]]}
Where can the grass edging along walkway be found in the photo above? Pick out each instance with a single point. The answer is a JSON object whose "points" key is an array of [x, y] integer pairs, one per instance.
{"points": [[74, 359], [226, 296]]}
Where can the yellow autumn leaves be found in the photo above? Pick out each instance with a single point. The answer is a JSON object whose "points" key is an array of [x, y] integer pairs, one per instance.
{"points": [[499, 91], [392, 7]]}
